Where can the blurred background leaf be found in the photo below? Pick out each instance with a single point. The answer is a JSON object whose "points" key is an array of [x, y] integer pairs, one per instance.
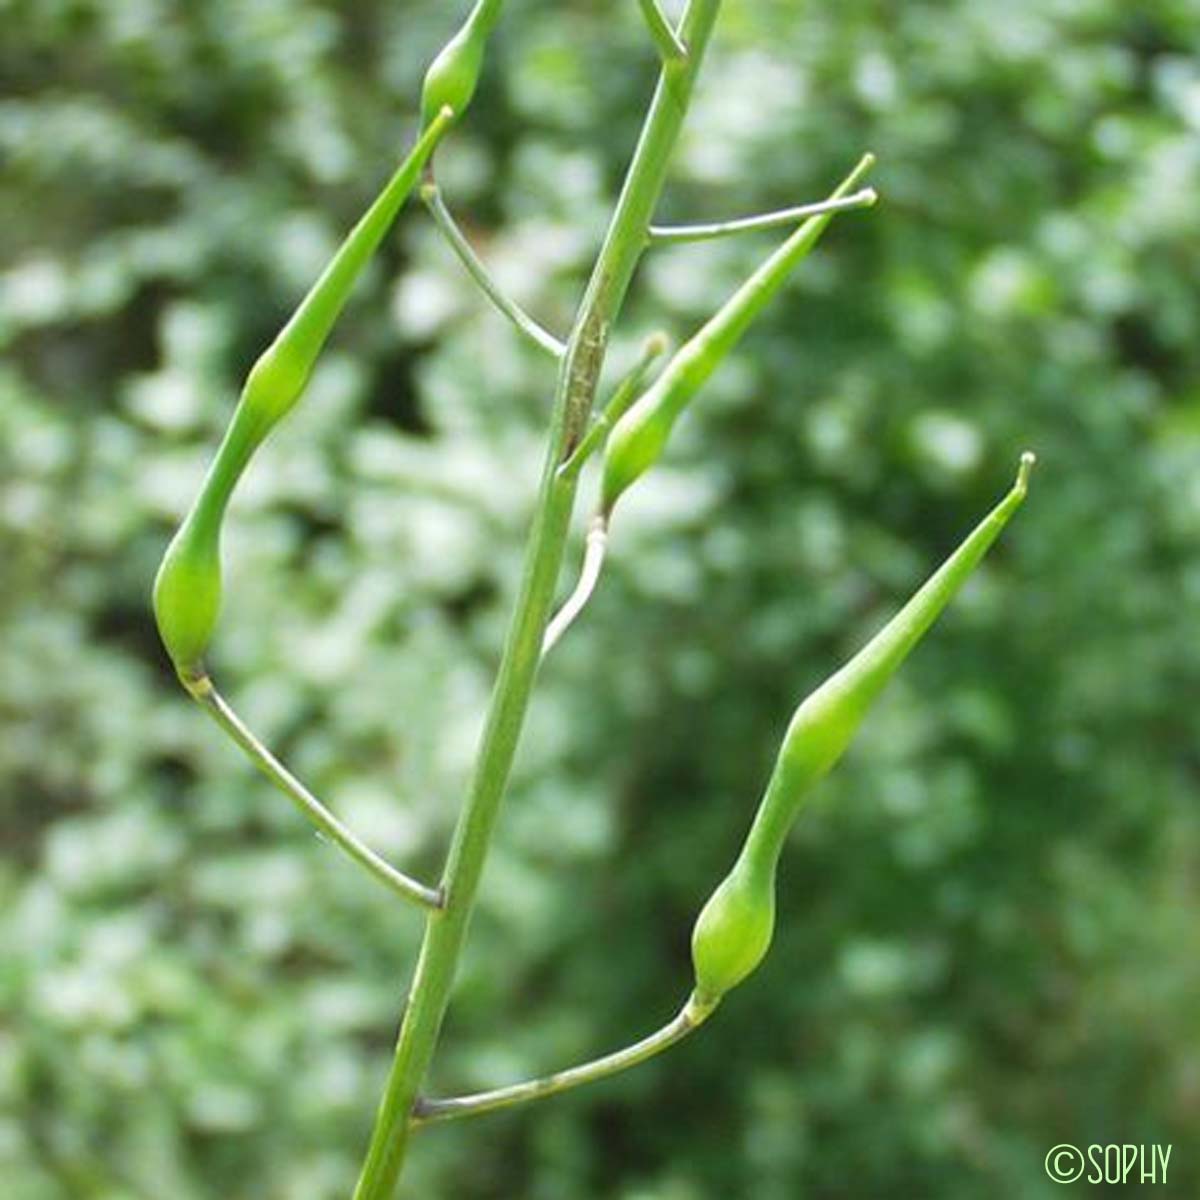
{"points": [[988, 932]]}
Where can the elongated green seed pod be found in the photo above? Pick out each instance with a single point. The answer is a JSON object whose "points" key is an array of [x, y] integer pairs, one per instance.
{"points": [[733, 931], [187, 589], [638, 438], [453, 75], [277, 379]]}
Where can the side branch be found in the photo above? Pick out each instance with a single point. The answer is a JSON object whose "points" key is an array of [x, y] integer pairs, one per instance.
{"points": [[431, 194], [666, 40], [665, 234], [202, 690], [690, 1017]]}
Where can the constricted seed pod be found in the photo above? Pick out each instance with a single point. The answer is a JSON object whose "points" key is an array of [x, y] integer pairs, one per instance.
{"points": [[733, 932], [187, 588], [453, 75], [278, 378], [638, 438], [187, 593]]}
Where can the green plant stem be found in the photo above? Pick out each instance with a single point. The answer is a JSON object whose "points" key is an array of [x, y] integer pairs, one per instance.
{"points": [[431, 194], [445, 931], [666, 40], [666, 234], [207, 696], [689, 1018], [625, 394]]}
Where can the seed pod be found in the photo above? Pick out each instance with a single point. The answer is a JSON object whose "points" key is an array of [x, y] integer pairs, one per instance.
{"points": [[187, 589], [187, 593], [638, 438], [453, 75], [277, 379], [733, 931]]}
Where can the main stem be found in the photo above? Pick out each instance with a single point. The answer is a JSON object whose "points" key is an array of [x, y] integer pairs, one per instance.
{"points": [[445, 930]]}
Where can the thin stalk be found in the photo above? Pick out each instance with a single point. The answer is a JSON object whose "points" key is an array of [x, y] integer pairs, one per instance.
{"points": [[666, 234], [431, 194], [666, 40], [589, 575], [596, 542], [207, 696], [689, 1018], [445, 931]]}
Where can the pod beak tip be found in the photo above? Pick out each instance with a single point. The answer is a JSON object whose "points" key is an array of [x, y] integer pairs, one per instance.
{"points": [[1028, 458], [656, 344]]}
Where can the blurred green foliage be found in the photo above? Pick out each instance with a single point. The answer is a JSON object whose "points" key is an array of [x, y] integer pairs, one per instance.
{"points": [[988, 938]]}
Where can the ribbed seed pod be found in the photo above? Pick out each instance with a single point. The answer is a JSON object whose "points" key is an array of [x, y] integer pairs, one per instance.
{"points": [[187, 592], [453, 75], [187, 589], [733, 931], [638, 438]]}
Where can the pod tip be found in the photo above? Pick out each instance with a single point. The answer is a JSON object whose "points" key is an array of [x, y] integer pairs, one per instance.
{"points": [[1027, 461], [867, 161], [656, 344], [869, 197]]}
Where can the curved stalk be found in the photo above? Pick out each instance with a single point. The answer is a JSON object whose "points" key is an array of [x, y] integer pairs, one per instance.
{"points": [[589, 576], [689, 1018], [217, 707], [431, 194]]}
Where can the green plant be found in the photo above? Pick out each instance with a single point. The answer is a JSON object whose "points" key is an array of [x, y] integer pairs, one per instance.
{"points": [[734, 929]]}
